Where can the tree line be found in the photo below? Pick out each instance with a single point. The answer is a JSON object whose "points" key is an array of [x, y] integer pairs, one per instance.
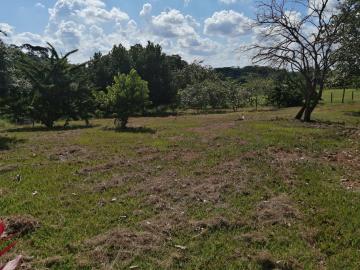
{"points": [[38, 84]]}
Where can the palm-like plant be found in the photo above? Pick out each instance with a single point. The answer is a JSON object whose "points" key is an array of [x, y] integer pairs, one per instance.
{"points": [[52, 78]]}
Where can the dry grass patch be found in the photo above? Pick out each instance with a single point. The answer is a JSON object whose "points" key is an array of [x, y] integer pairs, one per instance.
{"points": [[120, 246], [117, 162], [277, 210], [8, 168], [71, 153]]}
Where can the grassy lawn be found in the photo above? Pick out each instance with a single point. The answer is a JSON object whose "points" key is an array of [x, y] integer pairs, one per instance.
{"points": [[187, 192]]}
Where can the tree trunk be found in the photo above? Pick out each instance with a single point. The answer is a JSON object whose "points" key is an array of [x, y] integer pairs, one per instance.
{"points": [[124, 122], [67, 122], [307, 114], [300, 113], [49, 124], [343, 96]]}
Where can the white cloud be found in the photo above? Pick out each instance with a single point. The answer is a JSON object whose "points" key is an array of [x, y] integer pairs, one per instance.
{"points": [[228, 2], [227, 23], [172, 23], [146, 10], [196, 45], [39, 5], [7, 28], [90, 26]]}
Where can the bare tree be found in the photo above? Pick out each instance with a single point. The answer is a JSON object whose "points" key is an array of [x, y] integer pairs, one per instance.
{"points": [[302, 36]]}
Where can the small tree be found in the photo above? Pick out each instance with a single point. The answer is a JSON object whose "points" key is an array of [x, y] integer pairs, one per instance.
{"points": [[128, 95], [237, 95], [257, 87]]}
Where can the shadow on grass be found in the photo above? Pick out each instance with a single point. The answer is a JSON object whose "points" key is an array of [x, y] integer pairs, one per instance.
{"points": [[43, 128], [323, 123], [159, 114], [7, 142], [204, 112], [356, 114], [131, 130]]}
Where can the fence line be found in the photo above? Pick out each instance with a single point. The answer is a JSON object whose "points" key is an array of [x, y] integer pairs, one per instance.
{"points": [[341, 96]]}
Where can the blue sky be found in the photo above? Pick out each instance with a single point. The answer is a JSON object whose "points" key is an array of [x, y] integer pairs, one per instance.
{"points": [[209, 30]]}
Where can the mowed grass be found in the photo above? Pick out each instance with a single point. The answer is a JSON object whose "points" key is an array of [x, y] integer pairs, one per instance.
{"points": [[188, 192]]}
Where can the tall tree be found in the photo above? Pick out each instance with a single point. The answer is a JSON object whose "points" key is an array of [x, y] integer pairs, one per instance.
{"points": [[303, 41], [152, 65], [15, 100], [348, 56], [3, 66]]}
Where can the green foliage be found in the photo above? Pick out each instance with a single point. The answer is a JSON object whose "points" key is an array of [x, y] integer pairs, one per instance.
{"points": [[286, 91], [348, 54], [128, 95], [237, 95], [103, 68], [204, 95], [153, 66], [4, 64], [58, 92], [15, 93], [150, 62], [245, 74]]}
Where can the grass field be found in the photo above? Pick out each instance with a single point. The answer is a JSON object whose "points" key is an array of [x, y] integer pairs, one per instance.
{"points": [[187, 192], [351, 95]]}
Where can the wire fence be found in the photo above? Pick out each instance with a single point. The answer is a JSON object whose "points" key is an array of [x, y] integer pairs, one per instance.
{"points": [[341, 95]]}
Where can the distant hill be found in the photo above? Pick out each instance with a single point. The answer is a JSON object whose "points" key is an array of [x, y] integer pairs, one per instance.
{"points": [[242, 74]]}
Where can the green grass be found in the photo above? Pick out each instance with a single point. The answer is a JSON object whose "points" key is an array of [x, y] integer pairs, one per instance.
{"points": [[351, 95], [265, 192]]}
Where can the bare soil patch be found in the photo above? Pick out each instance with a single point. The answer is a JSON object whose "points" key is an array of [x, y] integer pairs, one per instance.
{"points": [[277, 210], [21, 225], [349, 157], [118, 181], [70, 153]]}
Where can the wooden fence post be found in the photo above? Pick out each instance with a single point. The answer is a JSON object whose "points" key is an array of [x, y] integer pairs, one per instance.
{"points": [[343, 96], [331, 97]]}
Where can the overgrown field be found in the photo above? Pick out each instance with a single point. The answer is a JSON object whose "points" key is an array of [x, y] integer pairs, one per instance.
{"points": [[187, 192]]}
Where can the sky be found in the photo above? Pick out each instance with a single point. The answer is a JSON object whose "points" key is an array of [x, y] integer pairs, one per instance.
{"points": [[199, 30]]}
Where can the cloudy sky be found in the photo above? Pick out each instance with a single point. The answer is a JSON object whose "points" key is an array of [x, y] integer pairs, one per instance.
{"points": [[209, 30]]}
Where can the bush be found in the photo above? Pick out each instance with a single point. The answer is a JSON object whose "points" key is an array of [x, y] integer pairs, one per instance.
{"points": [[127, 96], [286, 91], [204, 95]]}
